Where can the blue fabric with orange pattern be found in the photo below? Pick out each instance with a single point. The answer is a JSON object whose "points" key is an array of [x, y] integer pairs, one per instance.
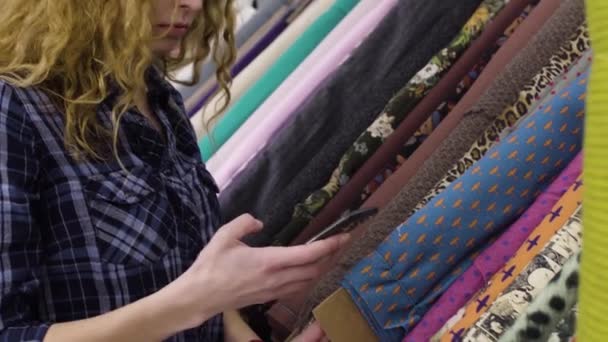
{"points": [[394, 286]]}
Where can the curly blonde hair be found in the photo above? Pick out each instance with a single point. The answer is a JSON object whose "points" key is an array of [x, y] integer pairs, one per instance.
{"points": [[74, 50]]}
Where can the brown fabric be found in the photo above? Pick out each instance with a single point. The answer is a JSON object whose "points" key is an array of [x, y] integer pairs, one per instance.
{"points": [[351, 191], [502, 91]]}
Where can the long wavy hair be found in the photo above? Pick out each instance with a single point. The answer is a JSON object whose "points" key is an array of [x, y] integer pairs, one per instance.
{"points": [[77, 51]]}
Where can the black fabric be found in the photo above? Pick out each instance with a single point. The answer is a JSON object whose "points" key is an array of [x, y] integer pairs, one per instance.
{"points": [[302, 156]]}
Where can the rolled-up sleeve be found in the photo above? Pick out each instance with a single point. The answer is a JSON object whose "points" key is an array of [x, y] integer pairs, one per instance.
{"points": [[20, 240]]}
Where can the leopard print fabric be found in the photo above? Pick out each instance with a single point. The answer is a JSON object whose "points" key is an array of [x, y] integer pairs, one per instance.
{"points": [[528, 98]]}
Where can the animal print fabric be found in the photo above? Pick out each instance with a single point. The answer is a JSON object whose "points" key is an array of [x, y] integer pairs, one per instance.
{"points": [[552, 306], [528, 98]]}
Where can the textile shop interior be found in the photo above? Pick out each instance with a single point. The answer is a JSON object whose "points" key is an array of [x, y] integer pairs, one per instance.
{"points": [[461, 122]]}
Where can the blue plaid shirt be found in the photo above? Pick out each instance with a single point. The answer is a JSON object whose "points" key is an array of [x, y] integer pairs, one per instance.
{"points": [[81, 238]]}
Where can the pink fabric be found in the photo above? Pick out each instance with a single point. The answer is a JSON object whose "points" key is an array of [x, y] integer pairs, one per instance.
{"points": [[253, 135], [494, 257]]}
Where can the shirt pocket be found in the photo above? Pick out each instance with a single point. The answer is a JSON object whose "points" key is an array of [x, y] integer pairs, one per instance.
{"points": [[132, 217]]}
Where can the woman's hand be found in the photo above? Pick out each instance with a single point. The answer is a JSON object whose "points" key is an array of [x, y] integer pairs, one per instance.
{"points": [[312, 333], [229, 275]]}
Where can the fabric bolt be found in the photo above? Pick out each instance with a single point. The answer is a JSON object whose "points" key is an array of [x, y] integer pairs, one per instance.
{"points": [[593, 300], [79, 239], [438, 114], [551, 306], [391, 285], [494, 257], [287, 49], [527, 285], [351, 191], [438, 153], [393, 114], [243, 61], [263, 13], [255, 133], [276, 74], [299, 160], [508, 121], [541, 235]]}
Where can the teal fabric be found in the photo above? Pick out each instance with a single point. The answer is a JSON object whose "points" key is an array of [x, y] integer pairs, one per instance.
{"points": [[276, 74]]}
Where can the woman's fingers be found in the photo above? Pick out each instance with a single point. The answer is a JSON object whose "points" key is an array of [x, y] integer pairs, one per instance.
{"points": [[312, 333], [240, 227], [299, 273], [306, 254]]}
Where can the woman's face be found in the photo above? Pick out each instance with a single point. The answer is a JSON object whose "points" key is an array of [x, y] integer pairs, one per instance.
{"points": [[172, 22]]}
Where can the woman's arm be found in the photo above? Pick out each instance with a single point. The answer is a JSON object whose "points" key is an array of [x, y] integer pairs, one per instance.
{"points": [[153, 318]]}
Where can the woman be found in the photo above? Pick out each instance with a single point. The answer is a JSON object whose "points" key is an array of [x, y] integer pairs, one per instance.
{"points": [[105, 206]]}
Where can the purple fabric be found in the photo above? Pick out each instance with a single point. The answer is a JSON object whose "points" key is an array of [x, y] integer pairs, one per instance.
{"points": [[246, 59], [494, 257]]}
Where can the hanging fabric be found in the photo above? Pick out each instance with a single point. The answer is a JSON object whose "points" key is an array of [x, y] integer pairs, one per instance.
{"points": [[509, 119], [500, 91], [393, 114], [395, 285], [349, 194], [542, 234], [303, 154], [304, 29], [472, 125], [266, 121], [494, 257], [276, 74], [442, 110]]}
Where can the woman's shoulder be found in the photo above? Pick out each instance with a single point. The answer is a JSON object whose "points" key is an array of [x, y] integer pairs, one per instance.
{"points": [[27, 103], [20, 108]]}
